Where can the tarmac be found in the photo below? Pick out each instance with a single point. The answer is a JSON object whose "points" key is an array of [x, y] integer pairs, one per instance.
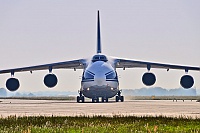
{"points": [[169, 108]]}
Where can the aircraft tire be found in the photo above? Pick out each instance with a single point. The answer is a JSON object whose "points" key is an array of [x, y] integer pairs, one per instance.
{"points": [[78, 99], [83, 99], [103, 99], [106, 99], [97, 100], [122, 98], [93, 100], [117, 99]]}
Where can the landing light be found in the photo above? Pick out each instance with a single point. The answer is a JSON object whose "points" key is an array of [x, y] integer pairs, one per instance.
{"points": [[111, 88], [88, 89]]}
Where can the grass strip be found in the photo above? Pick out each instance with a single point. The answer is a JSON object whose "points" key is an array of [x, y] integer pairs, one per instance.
{"points": [[66, 124]]}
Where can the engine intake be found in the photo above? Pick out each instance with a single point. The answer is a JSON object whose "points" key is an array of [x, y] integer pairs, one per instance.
{"points": [[148, 79], [12, 84], [50, 80], [187, 81]]}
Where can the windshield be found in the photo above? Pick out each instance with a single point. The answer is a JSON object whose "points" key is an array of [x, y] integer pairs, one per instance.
{"points": [[99, 58]]}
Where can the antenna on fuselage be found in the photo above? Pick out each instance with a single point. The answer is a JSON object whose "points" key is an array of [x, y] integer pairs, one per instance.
{"points": [[98, 34]]}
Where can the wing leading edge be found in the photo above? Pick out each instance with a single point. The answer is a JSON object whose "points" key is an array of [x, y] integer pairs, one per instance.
{"points": [[124, 63], [73, 64]]}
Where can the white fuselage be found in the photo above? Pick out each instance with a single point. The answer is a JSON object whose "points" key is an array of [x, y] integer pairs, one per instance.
{"points": [[99, 80]]}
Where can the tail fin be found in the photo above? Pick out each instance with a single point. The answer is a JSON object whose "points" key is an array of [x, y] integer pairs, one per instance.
{"points": [[98, 34]]}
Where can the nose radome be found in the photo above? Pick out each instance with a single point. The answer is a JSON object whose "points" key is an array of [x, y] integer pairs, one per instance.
{"points": [[100, 78]]}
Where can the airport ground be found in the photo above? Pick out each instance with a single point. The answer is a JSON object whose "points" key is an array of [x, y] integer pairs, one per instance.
{"points": [[170, 108]]}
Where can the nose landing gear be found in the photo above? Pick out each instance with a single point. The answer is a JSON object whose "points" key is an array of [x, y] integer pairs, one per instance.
{"points": [[119, 97], [80, 98], [95, 100]]}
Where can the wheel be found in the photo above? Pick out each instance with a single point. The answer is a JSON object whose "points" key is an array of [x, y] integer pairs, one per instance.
{"points": [[93, 100], [122, 98], [97, 100], [117, 99], [102, 100], [106, 99], [83, 99], [78, 99]]}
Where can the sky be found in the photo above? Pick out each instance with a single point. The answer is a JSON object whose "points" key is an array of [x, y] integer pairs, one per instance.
{"points": [[38, 32]]}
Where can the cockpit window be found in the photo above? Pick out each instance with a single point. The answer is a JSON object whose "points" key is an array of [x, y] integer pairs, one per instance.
{"points": [[99, 58], [111, 75], [88, 75]]}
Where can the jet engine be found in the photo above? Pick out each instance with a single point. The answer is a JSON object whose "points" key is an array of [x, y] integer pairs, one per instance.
{"points": [[148, 79], [187, 81], [50, 80], [12, 84]]}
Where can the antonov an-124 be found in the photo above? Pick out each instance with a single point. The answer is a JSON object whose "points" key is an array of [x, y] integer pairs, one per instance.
{"points": [[99, 78]]}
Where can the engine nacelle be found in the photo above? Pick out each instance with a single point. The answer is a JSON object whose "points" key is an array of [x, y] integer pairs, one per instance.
{"points": [[148, 79], [12, 84], [50, 80], [187, 81]]}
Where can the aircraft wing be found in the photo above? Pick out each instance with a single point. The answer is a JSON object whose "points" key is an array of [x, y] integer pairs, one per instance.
{"points": [[74, 64], [125, 63]]}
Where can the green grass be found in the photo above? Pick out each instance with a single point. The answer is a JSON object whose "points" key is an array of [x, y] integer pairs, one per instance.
{"points": [[42, 124]]}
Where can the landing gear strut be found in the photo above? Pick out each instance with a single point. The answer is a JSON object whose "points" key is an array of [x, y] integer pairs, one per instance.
{"points": [[80, 98], [119, 97]]}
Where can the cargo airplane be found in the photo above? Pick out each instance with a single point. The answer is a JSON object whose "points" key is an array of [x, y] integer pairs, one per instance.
{"points": [[99, 78]]}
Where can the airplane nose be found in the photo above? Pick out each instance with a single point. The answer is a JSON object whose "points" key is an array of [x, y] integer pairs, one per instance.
{"points": [[100, 79]]}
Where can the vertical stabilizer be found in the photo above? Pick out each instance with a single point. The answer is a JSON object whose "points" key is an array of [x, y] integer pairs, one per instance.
{"points": [[98, 34]]}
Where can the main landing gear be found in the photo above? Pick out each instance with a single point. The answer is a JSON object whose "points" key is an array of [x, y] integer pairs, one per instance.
{"points": [[96, 100], [119, 97], [80, 98]]}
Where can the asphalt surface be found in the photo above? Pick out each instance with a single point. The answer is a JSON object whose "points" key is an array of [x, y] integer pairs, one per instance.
{"points": [[17, 107]]}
